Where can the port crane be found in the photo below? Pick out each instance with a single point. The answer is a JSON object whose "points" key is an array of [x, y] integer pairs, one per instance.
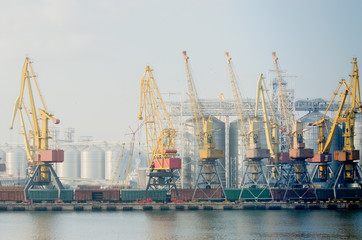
{"points": [[115, 173], [349, 173], [160, 136], [291, 163], [40, 157], [254, 180], [253, 175], [285, 109], [242, 121], [208, 176]]}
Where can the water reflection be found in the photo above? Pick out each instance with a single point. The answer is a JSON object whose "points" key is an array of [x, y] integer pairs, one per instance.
{"points": [[170, 225], [43, 225]]}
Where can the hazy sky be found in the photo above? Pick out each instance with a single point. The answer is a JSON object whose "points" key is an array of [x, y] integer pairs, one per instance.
{"points": [[91, 55]]}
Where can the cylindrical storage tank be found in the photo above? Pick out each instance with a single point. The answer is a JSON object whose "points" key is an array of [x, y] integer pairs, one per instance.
{"points": [[112, 156], [191, 156], [358, 135], [2, 161], [236, 153], [311, 133], [2, 156], [92, 163], [70, 168], [16, 162], [219, 140]]}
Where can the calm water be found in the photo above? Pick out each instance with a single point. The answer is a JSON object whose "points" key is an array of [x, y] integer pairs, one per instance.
{"points": [[244, 224]]}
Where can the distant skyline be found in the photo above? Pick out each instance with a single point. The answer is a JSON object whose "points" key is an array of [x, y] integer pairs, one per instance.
{"points": [[90, 55]]}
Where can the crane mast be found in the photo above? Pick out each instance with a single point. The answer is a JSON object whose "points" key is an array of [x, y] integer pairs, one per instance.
{"points": [[208, 176], [270, 124], [115, 171], [160, 136], [349, 172], [39, 155], [237, 97], [254, 180], [286, 110], [130, 156]]}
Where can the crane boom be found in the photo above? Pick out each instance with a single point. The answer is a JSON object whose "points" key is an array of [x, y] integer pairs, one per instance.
{"points": [[160, 136], [203, 129], [199, 118], [38, 153], [237, 96], [270, 125], [287, 116]]}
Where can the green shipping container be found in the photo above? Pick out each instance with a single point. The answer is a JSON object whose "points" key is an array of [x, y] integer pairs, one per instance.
{"points": [[67, 195], [248, 193], [131, 195], [50, 194]]}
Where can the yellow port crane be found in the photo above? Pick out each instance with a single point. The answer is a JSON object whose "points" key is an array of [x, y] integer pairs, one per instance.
{"points": [[292, 158], [208, 176], [270, 123], [39, 155], [238, 100], [285, 108], [160, 136], [349, 172]]}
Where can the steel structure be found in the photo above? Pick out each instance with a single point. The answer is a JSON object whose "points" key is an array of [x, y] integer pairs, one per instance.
{"points": [[239, 106], [40, 157], [208, 176], [160, 136], [349, 172], [255, 175], [228, 107]]}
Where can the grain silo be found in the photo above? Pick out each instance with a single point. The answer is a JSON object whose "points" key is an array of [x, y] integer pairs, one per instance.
{"points": [[92, 163]]}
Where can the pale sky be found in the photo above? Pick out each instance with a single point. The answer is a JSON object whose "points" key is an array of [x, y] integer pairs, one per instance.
{"points": [[90, 55]]}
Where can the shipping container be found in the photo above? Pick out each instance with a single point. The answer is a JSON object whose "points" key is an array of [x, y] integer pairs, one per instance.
{"points": [[43, 194], [279, 194], [349, 193], [66, 195], [324, 194], [11, 194], [187, 194], [97, 195], [248, 194], [131, 195]]}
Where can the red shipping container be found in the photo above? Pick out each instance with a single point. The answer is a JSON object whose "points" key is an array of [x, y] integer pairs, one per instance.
{"points": [[97, 195], [168, 163], [12, 195], [293, 194], [186, 194], [52, 156], [82, 195]]}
